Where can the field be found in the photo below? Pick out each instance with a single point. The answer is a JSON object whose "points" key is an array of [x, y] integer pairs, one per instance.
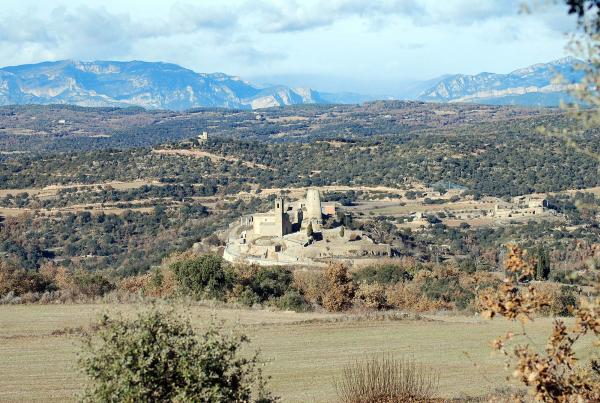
{"points": [[305, 351]]}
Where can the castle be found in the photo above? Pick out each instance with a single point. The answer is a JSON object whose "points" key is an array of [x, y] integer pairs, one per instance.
{"points": [[295, 233], [286, 219]]}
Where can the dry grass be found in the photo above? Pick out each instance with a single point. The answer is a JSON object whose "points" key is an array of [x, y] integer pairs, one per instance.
{"points": [[383, 379], [306, 350]]}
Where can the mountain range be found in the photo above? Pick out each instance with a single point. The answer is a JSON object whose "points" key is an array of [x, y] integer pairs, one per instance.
{"points": [[533, 85], [156, 85]]}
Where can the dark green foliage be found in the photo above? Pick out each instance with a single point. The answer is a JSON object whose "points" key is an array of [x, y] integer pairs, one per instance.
{"points": [[248, 297], [91, 284], [206, 276], [467, 265], [270, 282], [157, 357], [20, 281], [567, 301], [383, 274], [447, 289], [292, 300], [542, 264]]}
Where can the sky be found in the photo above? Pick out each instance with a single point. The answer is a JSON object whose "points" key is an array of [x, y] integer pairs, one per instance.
{"points": [[366, 46]]}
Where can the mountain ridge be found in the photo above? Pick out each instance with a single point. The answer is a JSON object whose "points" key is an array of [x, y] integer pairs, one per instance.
{"points": [[153, 85], [532, 85], [161, 85]]}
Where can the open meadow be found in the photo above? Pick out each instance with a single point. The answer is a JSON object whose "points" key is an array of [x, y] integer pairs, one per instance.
{"points": [[39, 345]]}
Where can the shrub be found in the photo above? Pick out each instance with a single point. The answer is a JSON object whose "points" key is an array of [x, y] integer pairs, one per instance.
{"points": [[157, 357], [311, 284], [383, 274], [135, 284], [382, 379], [370, 296], [292, 300], [445, 285], [20, 281], [205, 276], [408, 296], [339, 288], [163, 283], [561, 299], [244, 295], [270, 282], [90, 284]]}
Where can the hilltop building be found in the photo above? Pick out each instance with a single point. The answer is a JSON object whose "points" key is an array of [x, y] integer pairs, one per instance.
{"points": [[202, 138], [282, 237], [522, 206]]}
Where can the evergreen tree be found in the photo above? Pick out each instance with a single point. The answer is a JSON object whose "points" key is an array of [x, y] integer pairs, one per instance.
{"points": [[542, 266]]}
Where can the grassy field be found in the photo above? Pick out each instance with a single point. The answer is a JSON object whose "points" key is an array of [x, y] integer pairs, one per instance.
{"points": [[38, 356]]}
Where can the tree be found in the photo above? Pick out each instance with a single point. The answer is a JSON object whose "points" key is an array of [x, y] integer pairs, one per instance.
{"points": [[309, 230], [542, 264], [157, 357], [340, 288], [206, 276]]}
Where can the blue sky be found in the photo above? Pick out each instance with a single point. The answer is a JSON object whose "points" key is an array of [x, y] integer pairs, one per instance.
{"points": [[369, 46]]}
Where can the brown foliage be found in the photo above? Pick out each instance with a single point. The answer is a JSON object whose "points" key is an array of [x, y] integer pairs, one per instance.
{"points": [[18, 281], [386, 380], [408, 296], [135, 284], [371, 296], [311, 284], [340, 288], [554, 375]]}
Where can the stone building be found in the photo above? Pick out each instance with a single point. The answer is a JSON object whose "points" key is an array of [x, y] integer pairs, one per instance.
{"points": [[275, 223], [522, 206], [202, 138], [286, 218], [281, 236]]}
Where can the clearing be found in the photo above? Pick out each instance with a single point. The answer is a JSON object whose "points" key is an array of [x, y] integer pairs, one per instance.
{"points": [[39, 345]]}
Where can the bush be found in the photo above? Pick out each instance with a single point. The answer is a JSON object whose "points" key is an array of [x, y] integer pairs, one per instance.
{"points": [[292, 300], [244, 295], [383, 274], [339, 288], [370, 296], [270, 282], [157, 357], [90, 285], [206, 276], [408, 296], [19, 281], [381, 379], [311, 284], [445, 285], [561, 299]]}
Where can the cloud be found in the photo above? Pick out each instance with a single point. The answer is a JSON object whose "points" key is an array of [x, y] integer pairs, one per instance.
{"points": [[357, 38], [294, 15], [85, 30]]}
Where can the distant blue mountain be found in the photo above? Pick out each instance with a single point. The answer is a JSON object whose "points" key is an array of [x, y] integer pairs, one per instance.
{"points": [[534, 85], [156, 85], [147, 84]]}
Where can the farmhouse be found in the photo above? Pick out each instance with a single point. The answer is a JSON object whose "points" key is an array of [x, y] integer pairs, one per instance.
{"points": [[522, 206]]}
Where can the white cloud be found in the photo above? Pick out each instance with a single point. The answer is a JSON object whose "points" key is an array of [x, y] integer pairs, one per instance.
{"points": [[360, 39]]}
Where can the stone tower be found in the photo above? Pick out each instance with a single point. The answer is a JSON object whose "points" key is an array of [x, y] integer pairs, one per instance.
{"points": [[279, 216], [282, 219], [313, 206]]}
